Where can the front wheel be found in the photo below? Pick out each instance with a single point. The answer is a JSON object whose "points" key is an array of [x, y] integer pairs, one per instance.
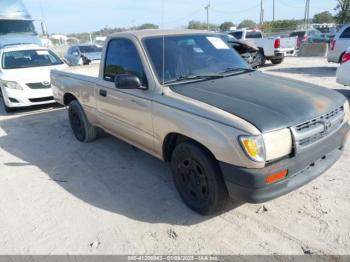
{"points": [[82, 129], [198, 179], [6, 108], [260, 59]]}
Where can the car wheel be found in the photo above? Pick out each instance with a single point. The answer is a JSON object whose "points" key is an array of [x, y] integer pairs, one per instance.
{"points": [[6, 108], [198, 179], [260, 58], [82, 129], [277, 61]]}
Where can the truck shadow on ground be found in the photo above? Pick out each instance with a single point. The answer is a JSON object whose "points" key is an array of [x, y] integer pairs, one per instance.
{"points": [[107, 173], [320, 71]]}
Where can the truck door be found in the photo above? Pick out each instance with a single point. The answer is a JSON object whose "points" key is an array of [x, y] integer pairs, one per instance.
{"points": [[125, 112]]}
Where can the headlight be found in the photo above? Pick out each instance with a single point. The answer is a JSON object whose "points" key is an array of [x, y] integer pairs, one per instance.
{"points": [[347, 112], [11, 85], [254, 147], [278, 144]]}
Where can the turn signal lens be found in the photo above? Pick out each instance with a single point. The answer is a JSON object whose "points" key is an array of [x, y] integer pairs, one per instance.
{"points": [[276, 177], [254, 147]]}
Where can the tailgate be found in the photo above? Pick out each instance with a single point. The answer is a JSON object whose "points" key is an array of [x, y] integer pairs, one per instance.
{"points": [[289, 42]]}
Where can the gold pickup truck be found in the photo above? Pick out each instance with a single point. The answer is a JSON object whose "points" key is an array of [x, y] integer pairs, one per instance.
{"points": [[189, 99]]}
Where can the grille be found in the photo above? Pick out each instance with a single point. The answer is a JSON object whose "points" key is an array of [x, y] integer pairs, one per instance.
{"points": [[41, 99], [311, 131], [39, 85]]}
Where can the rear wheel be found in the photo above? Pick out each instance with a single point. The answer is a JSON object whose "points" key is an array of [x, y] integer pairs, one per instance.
{"points": [[198, 179], [277, 61], [82, 129]]}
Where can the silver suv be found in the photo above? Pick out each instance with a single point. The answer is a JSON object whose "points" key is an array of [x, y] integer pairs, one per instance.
{"points": [[339, 44]]}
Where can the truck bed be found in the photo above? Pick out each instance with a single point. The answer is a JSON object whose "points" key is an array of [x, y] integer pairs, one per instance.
{"points": [[89, 70]]}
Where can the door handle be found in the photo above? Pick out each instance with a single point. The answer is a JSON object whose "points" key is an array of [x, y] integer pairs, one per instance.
{"points": [[103, 92]]}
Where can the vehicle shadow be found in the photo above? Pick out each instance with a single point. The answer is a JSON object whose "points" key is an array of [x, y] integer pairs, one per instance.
{"points": [[28, 110], [108, 173], [318, 71]]}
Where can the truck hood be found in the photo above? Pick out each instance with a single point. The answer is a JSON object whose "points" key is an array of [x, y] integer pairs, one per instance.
{"points": [[268, 102], [93, 56], [19, 39]]}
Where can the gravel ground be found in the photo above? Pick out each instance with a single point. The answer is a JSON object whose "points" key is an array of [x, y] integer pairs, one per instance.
{"points": [[58, 196]]}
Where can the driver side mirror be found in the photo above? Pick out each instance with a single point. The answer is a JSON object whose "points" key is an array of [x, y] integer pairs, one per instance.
{"points": [[44, 29], [128, 81]]}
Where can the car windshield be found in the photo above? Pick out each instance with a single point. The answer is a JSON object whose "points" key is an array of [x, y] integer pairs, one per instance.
{"points": [[90, 49], [237, 35], [29, 58], [17, 27], [228, 38], [191, 55], [298, 34]]}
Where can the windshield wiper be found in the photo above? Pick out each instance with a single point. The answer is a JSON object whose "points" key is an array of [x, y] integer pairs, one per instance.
{"points": [[234, 70], [194, 77]]}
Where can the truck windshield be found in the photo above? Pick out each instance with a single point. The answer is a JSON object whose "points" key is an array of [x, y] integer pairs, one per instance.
{"points": [[29, 58], [17, 27], [90, 49], [191, 55]]}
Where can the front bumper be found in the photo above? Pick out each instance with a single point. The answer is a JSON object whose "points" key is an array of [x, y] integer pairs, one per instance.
{"points": [[249, 185], [24, 98]]}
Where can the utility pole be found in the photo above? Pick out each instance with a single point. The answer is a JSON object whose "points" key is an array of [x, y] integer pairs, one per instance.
{"points": [[273, 11], [207, 8], [261, 13], [307, 14]]}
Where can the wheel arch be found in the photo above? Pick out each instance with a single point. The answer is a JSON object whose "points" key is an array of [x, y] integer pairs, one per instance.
{"points": [[68, 97], [173, 139]]}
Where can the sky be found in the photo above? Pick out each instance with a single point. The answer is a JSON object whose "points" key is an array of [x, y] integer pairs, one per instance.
{"points": [[72, 16]]}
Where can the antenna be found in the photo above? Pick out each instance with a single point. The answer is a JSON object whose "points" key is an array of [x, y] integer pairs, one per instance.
{"points": [[163, 47]]}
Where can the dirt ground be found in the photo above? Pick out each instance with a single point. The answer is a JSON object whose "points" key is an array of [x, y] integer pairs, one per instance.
{"points": [[59, 196]]}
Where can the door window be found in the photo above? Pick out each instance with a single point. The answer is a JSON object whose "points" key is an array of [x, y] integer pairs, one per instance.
{"points": [[123, 58]]}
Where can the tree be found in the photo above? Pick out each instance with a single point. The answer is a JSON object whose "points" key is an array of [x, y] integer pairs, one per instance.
{"points": [[147, 26], [343, 8], [201, 26], [247, 24], [226, 26], [324, 17]]}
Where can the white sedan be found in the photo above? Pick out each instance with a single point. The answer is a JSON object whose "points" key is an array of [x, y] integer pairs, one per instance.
{"points": [[25, 75], [343, 72]]}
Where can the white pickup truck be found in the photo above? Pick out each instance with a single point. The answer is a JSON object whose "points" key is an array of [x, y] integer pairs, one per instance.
{"points": [[271, 48]]}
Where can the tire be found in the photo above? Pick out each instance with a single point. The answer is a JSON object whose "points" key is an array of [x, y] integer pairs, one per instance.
{"points": [[6, 108], [260, 57], [82, 129], [277, 61], [198, 179]]}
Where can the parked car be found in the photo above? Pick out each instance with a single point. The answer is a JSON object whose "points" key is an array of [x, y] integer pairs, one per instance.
{"points": [[308, 36], [248, 51], [339, 45], [343, 72], [199, 106], [271, 48], [25, 75], [83, 54]]}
